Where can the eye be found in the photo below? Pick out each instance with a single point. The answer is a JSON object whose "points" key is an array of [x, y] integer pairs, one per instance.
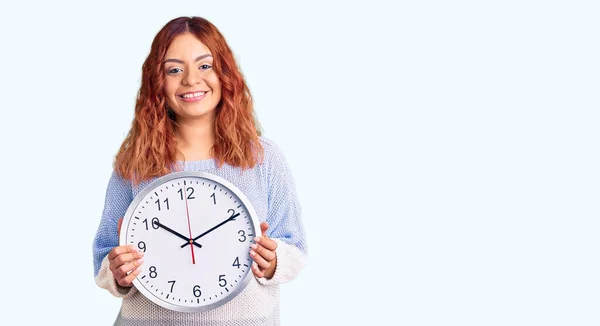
{"points": [[205, 66], [174, 71]]}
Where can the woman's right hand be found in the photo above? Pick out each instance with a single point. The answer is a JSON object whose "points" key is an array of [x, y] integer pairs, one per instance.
{"points": [[125, 262]]}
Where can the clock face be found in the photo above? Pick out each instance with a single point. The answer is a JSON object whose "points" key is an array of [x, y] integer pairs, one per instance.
{"points": [[195, 230]]}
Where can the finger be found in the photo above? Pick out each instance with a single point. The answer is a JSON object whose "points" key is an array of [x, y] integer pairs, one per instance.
{"points": [[126, 268], [128, 280], [265, 253], [262, 263], [256, 271], [119, 226], [267, 243], [122, 259], [264, 226], [120, 250]]}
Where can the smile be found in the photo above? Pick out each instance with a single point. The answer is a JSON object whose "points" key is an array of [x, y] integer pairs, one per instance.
{"points": [[192, 97]]}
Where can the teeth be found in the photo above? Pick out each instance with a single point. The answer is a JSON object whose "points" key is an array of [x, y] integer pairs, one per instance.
{"points": [[192, 95]]}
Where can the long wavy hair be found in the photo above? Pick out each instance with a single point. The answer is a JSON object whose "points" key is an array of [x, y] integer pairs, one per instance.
{"points": [[150, 148]]}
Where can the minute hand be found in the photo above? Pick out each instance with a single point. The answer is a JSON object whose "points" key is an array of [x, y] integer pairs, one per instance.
{"points": [[212, 229]]}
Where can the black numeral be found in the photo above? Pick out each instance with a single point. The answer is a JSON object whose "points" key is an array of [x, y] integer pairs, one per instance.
{"points": [[166, 201], [232, 213], [190, 192], [214, 198], [172, 285], [197, 292], [154, 223], [153, 273], [236, 262], [142, 245], [242, 236], [222, 281]]}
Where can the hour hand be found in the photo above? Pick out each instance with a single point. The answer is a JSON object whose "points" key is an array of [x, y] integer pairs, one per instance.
{"points": [[157, 223]]}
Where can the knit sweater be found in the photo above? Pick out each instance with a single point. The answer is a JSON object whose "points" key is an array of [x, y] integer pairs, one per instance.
{"points": [[270, 188]]}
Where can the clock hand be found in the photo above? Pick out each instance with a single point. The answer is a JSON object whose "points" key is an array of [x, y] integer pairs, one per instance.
{"points": [[187, 212], [176, 233], [212, 229]]}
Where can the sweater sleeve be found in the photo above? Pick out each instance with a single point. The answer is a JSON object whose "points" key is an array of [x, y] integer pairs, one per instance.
{"points": [[118, 198], [284, 219]]}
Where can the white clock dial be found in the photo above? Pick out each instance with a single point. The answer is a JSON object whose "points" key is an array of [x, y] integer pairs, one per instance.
{"points": [[195, 230]]}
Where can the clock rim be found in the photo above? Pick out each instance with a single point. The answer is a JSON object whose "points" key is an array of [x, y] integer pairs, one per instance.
{"points": [[177, 175]]}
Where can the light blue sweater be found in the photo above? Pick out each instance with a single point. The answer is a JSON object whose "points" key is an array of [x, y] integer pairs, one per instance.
{"points": [[270, 188]]}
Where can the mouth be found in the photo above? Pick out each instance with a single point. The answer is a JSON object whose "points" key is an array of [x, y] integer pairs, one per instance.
{"points": [[192, 96]]}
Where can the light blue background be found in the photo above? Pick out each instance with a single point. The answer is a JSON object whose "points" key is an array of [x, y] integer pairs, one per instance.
{"points": [[445, 153]]}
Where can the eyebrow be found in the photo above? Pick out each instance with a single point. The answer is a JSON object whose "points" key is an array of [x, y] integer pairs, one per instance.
{"points": [[181, 61]]}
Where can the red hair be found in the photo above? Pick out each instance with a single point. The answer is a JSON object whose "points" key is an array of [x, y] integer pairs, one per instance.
{"points": [[150, 148]]}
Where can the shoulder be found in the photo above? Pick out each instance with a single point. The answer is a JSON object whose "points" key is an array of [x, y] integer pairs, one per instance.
{"points": [[117, 180], [268, 144], [274, 163], [273, 154]]}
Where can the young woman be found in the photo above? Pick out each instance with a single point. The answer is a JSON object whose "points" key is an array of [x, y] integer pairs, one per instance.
{"points": [[194, 113]]}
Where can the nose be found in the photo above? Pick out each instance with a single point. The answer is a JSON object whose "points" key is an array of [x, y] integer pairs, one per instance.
{"points": [[192, 77]]}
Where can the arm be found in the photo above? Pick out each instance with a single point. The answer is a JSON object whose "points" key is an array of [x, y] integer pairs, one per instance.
{"points": [[118, 198], [284, 219]]}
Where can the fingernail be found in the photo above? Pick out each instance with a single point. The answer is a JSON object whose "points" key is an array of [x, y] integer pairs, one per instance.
{"points": [[253, 246], [252, 253], [140, 254], [140, 261], [256, 239]]}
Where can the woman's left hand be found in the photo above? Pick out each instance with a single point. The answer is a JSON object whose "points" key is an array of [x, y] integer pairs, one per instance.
{"points": [[263, 254]]}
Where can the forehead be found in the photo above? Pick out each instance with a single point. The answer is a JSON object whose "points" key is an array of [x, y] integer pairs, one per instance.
{"points": [[186, 46]]}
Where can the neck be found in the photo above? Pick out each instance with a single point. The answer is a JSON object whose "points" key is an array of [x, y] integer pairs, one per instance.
{"points": [[195, 139]]}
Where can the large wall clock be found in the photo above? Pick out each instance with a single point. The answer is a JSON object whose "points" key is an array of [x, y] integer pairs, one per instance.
{"points": [[195, 230]]}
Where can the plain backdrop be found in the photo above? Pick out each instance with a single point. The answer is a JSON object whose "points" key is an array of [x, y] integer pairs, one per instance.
{"points": [[445, 152]]}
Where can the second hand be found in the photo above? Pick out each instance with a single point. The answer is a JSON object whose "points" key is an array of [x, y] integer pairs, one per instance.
{"points": [[188, 218]]}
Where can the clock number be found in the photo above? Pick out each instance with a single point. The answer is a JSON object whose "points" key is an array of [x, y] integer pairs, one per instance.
{"points": [[197, 292], [172, 285], [153, 273], [166, 201], [142, 245], [214, 198], [154, 223], [222, 281], [190, 192], [236, 262], [232, 213], [242, 235]]}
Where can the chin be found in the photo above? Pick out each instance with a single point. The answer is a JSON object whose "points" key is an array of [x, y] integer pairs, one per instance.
{"points": [[200, 113]]}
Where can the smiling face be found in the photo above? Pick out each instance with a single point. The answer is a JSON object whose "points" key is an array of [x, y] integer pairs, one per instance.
{"points": [[192, 87]]}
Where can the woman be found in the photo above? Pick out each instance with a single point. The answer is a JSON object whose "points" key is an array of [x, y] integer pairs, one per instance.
{"points": [[194, 113]]}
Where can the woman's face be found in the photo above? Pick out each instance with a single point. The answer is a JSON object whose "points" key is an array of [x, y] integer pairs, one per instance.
{"points": [[192, 87]]}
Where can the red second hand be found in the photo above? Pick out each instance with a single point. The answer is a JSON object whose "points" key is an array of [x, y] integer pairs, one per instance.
{"points": [[189, 225]]}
